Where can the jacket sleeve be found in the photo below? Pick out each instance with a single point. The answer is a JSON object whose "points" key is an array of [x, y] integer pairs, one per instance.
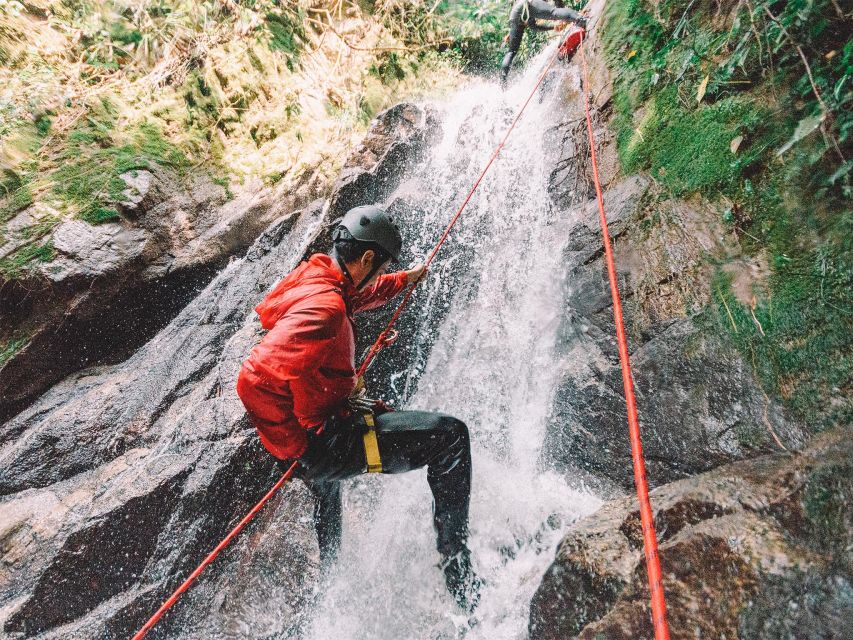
{"points": [[386, 287], [307, 336]]}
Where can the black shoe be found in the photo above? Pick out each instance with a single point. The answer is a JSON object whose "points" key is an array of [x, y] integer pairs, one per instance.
{"points": [[462, 583]]}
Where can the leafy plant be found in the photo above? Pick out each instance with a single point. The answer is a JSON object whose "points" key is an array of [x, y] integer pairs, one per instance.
{"points": [[752, 109], [89, 178]]}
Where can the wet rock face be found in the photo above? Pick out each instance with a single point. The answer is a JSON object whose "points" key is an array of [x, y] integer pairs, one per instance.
{"points": [[746, 552], [396, 139], [737, 535], [699, 403], [113, 286], [119, 480]]}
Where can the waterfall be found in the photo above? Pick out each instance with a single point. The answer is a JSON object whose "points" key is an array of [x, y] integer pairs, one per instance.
{"points": [[483, 349]]}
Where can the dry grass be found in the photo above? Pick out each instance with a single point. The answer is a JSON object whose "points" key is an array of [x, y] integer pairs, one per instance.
{"points": [[261, 89]]}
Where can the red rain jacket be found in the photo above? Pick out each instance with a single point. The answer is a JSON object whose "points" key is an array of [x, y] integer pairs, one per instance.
{"points": [[303, 370]]}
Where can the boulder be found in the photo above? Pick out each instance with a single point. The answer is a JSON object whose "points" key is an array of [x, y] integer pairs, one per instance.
{"points": [[94, 251], [142, 192], [758, 549]]}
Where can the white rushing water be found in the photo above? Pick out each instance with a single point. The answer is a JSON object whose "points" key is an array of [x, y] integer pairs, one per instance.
{"points": [[491, 361]]}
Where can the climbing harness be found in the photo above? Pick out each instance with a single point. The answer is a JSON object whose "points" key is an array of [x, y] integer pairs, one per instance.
{"points": [[371, 446], [650, 543], [365, 407]]}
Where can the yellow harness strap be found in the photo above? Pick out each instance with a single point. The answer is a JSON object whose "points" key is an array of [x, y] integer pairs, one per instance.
{"points": [[371, 446]]}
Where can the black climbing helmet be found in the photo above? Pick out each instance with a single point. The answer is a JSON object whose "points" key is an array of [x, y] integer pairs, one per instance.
{"points": [[369, 223]]}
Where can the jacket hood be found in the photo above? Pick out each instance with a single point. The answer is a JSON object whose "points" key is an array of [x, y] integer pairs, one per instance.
{"points": [[316, 275]]}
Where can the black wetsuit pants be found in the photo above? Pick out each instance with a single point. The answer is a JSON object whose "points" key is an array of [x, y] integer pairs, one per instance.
{"points": [[407, 440], [521, 17]]}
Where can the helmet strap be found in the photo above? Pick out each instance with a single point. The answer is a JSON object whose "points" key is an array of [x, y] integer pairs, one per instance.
{"points": [[367, 278], [342, 266]]}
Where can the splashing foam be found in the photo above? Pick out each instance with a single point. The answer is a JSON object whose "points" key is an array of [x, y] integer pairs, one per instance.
{"points": [[492, 363]]}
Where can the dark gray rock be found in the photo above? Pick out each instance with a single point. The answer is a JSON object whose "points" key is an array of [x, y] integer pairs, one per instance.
{"points": [[120, 479], [756, 549], [700, 407], [395, 141], [699, 403], [112, 287]]}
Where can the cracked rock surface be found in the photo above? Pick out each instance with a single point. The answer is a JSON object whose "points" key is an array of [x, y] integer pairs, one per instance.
{"points": [[757, 549], [118, 480]]}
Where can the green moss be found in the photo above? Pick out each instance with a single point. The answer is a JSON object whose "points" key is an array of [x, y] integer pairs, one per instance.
{"points": [[21, 138], [750, 436], [16, 196], [827, 496], [689, 149], [25, 257], [285, 34], [39, 229], [661, 53], [97, 214], [9, 348], [225, 184], [803, 348], [685, 88], [800, 337], [89, 177]]}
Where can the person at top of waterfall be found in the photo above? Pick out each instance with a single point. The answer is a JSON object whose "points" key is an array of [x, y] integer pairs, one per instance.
{"points": [[301, 391], [525, 13]]}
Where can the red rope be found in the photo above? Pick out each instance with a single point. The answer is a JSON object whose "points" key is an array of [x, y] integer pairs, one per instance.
{"points": [[650, 543], [373, 350], [380, 341], [212, 555]]}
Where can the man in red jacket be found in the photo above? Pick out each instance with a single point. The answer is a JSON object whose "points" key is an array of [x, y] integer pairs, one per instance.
{"points": [[299, 387]]}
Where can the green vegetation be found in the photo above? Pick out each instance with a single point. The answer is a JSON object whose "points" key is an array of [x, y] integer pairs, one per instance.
{"points": [[827, 496], [726, 108], [286, 34], [9, 348], [15, 194], [88, 176], [476, 31], [97, 88], [122, 69], [14, 265], [690, 150]]}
